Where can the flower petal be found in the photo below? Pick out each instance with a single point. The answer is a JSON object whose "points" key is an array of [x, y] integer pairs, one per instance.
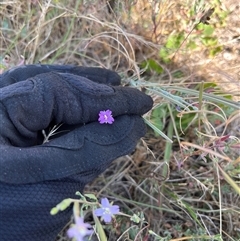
{"points": [[105, 203], [110, 120], [99, 212], [107, 218], [72, 232], [114, 209], [108, 112]]}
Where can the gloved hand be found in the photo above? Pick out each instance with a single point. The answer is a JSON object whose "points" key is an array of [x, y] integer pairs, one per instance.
{"points": [[35, 176]]}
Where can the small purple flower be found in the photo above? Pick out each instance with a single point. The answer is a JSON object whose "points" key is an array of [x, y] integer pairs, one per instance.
{"points": [[107, 210], [105, 116], [79, 230]]}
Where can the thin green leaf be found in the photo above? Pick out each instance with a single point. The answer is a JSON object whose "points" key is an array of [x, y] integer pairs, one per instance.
{"points": [[149, 123]]}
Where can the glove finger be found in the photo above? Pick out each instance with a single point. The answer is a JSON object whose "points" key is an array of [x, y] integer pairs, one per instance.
{"points": [[31, 105], [87, 150], [24, 72]]}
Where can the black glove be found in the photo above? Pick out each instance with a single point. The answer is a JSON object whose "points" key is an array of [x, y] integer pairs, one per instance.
{"points": [[34, 177]]}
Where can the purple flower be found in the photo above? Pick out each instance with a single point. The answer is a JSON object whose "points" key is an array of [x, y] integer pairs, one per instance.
{"points": [[106, 211], [105, 116], [79, 230]]}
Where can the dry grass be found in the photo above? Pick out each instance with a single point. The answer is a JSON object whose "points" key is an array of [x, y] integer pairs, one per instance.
{"points": [[186, 189]]}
